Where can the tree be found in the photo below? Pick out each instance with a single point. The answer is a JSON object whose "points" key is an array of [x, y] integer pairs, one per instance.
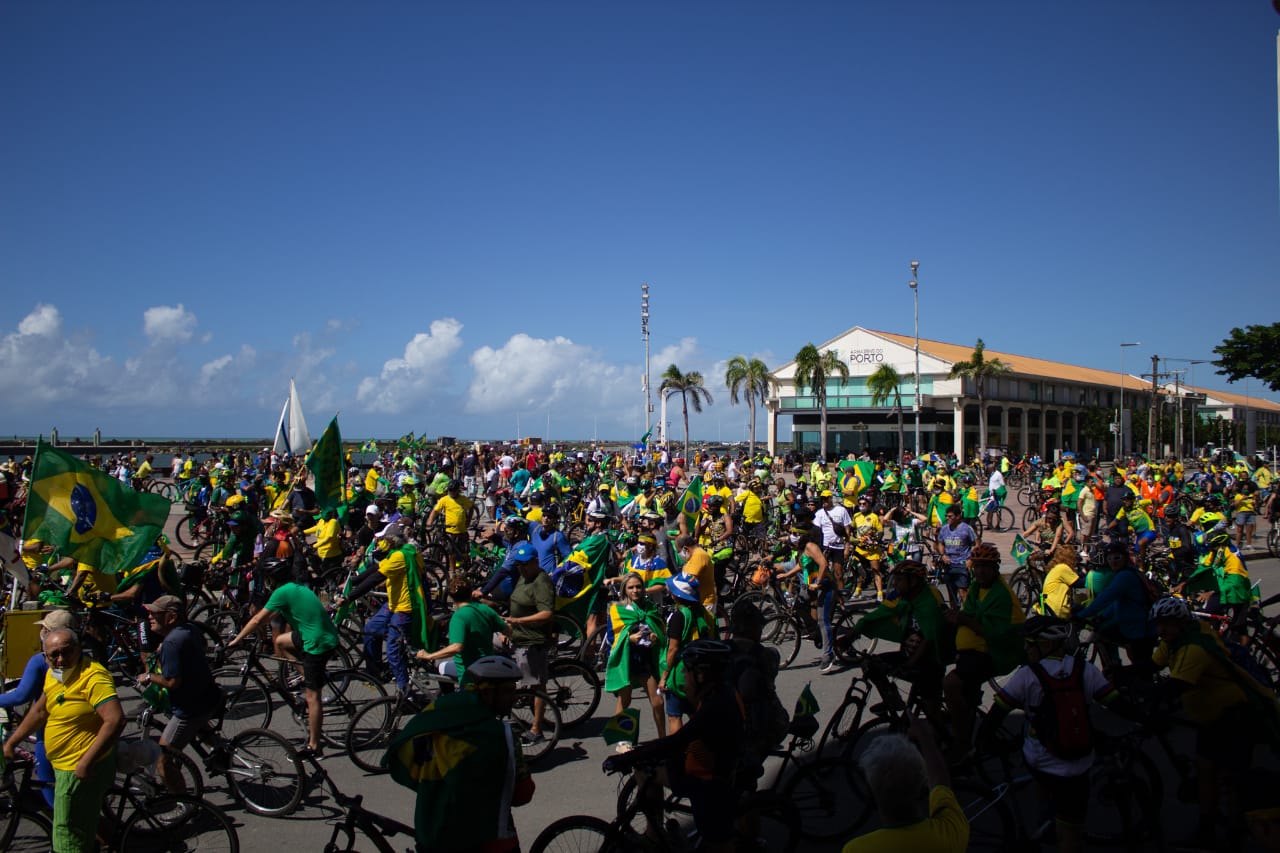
{"points": [[978, 369], [1095, 425], [1251, 352], [752, 378], [690, 388], [885, 385], [812, 370]]}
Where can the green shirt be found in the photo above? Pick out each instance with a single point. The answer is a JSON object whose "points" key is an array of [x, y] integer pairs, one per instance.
{"points": [[530, 597], [473, 625], [306, 615]]}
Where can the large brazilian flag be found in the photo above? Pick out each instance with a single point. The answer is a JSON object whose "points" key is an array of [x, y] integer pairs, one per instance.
{"points": [[88, 515]]}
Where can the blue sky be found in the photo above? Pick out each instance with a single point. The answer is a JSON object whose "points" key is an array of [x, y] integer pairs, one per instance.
{"points": [[437, 217]]}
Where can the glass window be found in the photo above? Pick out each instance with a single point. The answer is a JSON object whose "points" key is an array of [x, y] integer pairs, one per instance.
{"points": [[1034, 388]]}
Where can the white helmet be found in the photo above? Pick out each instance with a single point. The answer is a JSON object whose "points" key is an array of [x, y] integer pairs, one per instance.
{"points": [[1170, 607], [493, 668]]}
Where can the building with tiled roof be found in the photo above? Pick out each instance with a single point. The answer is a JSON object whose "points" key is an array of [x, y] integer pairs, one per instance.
{"points": [[1037, 407]]}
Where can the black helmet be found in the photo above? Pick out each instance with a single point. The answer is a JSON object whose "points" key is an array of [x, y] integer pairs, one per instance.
{"points": [[707, 654], [517, 525], [715, 502]]}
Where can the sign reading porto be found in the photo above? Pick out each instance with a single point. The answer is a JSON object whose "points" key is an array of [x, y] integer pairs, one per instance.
{"points": [[866, 356]]}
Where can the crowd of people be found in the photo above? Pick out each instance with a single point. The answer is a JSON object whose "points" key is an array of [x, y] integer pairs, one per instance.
{"points": [[1145, 560]]}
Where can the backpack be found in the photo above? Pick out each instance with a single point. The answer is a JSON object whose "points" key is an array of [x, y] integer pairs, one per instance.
{"points": [[766, 717], [1061, 720]]}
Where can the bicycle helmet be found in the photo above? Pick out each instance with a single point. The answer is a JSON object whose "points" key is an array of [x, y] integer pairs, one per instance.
{"points": [[598, 515], [551, 512], [715, 502], [909, 568], [1218, 538], [492, 668], [1048, 628], [1210, 519], [234, 501], [603, 487], [707, 654], [985, 553], [633, 482], [1170, 607], [523, 552], [517, 525]]}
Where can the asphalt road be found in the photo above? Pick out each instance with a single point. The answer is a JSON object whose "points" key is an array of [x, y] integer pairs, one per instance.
{"points": [[570, 781]]}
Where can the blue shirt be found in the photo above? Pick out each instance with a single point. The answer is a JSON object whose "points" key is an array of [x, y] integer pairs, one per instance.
{"points": [[957, 544], [552, 547], [1121, 606]]}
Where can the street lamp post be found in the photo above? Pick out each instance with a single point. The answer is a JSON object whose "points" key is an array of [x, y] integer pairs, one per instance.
{"points": [[915, 298], [1120, 448], [644, 333]]}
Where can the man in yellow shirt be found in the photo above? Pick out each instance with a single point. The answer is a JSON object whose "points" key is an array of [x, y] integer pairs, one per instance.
{"points": [[82, 721], [457, 511], [328, 533], [697, 563], [392, 620], [752, 509]]}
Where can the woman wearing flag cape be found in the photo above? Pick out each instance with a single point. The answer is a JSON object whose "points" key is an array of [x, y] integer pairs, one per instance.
{"points": [[635, 658]]}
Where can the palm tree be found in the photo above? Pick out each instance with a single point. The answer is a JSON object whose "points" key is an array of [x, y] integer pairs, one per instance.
{"points": [[884, 385], [978, 369], [752, 378], [689, 387], [812, 370]]}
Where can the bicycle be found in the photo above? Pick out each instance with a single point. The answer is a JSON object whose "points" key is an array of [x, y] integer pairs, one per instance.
{"points": [[261, 767], [249, 689], [357, 828], [374, 725], [156, 822], [774, 824]]}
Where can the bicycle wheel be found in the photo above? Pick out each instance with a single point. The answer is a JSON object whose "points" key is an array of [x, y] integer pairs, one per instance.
{"points": [[595, 651], [1025, 584], [579, 834], [569, 635], [345, 691], [1030, 516], [370, 731], [249, 703], [265, 773], [178, 823], [992, 825], [1273, 540], [828, 798], [576, 690], [766, 821], [1004, 519], [360, 835], [522, 723], [185, 532], [786, 638], [1122, 813], [851, 647], [27, 832]]}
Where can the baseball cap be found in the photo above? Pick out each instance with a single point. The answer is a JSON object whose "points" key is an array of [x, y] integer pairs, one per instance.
{"points": [[165, 602], [684, 586], [523, 553], [372, 509], [56, 620]]}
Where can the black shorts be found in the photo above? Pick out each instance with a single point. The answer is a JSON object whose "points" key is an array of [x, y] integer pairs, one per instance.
{"points": [[834, 555], [313, 668], [973, 669], [1069, 795]]}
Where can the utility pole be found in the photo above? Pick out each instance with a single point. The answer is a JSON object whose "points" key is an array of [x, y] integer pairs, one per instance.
{"points": [[1153, 417]]}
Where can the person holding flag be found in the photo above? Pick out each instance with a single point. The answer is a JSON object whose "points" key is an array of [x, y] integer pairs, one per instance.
{"points": [[636, 657], [590, 559]]}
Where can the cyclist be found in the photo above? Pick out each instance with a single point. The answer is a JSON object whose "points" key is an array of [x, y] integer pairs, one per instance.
{"points": [[869, 544], [818, 587], [1228, 707], [471, 630], [689, 621], [702, 757], [457, 511], [987, 642], [1055, 688], [836, 525], [956, 541], [532, 623], [391, 622], [311, 639], [1057, 592], [194, 696], [465, 765]]}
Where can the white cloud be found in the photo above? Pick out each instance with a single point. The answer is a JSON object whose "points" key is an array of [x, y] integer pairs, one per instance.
{"points": [[43, 321], [532, 373], [411, 377], [168, 323]]}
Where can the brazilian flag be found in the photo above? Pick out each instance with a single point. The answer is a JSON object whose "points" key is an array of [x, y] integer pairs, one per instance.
{"points": [[857, 477], [623, 727], [88, 515], [806, 704], [691, 501], [591, 556], [325, 462], [1020, 550], [422, 625]]}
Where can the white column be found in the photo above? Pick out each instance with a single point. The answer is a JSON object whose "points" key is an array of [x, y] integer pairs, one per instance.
{"points": [[1026, 432], [957, 404], [1004, 425], [773, 430], [1042, 433]]}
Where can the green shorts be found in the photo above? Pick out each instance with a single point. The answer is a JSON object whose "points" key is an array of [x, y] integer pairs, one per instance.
{"points": [[77, 806]]}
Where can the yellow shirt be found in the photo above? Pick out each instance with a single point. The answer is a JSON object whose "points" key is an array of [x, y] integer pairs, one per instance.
{"points": [[144, 471], [700, 567], [945, 830], [752, 507], [328, 538], [455, 512], [1056, 597], [394, 568], [96, 582], [73, 717], [1213, 691], [1263, 477], [533, 514], [371, 480]]}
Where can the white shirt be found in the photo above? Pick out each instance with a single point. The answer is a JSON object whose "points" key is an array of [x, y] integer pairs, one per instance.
{"points": [[1023, 690], [996, 481], [824, 518]]}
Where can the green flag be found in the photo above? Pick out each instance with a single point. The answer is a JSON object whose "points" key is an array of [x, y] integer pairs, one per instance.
{"points": [[325, 462], [88, 515], [422, 625], [806, 704], [691, 502], [405, 442], [623, 727], [857, 477], [1020, 550]]}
